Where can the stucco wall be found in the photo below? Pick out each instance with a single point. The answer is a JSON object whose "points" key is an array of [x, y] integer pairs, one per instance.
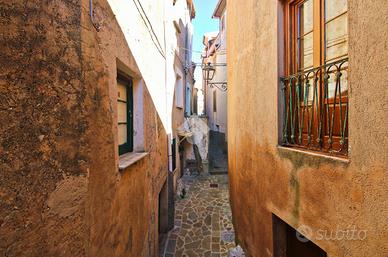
{"points": [[218, 118], [44, 147], [299, 188], [61, 191], [152, 36], [123, 205], [144, 33], [179, 42]]}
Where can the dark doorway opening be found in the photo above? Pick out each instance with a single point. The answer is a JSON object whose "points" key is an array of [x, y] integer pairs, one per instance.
{"points": [[163, 218], [218, 153], [289, 243]]}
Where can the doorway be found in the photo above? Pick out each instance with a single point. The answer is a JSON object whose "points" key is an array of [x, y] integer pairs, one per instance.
{"points": [[163, 217], [289, 243]]}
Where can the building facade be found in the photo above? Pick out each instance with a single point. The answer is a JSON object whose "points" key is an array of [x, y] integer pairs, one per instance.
{"points": [[86, 98], [182, 72], [306, 129], [215, 88], [215, 54]]}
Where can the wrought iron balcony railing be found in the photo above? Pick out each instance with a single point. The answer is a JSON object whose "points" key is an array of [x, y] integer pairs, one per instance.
{"points": [[316, 108]]}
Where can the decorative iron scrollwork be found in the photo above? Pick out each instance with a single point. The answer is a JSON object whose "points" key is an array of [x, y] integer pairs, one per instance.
{"points": [[316, 98]]}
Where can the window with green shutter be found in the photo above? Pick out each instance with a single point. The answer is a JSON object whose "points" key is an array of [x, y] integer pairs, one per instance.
{"points": [[125, 114]]}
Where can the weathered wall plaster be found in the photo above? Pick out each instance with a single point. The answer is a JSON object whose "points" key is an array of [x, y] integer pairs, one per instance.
{"points": [[61, 191], [302, 189], [44, 117]]}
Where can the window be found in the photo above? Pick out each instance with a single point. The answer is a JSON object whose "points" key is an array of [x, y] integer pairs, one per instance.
{"points": [[315, 87], [179, 92], [214, 101], [173, 148], [125, 114], [188, 109]]}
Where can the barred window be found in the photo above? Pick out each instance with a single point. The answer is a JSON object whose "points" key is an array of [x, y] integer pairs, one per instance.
{"points": [[315, 88]]}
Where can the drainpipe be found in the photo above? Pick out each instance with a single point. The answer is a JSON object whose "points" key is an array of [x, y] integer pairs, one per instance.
{"points": [[91, 14]]}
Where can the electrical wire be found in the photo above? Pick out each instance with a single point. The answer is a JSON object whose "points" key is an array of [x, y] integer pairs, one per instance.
{"points": [[148, 24], [189, 50], [201, 52], [213, 64], [155, 38]]}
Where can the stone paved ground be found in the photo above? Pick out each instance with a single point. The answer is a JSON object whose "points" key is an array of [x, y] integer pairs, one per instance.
{"points": [[203, 219]]}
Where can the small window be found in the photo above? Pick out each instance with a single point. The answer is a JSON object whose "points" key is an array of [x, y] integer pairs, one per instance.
{"points": [[214, 101], [179, 92], [125, 114], [173, 148]]}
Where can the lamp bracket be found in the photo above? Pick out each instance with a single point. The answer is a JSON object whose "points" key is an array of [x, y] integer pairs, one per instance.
{"points": [[223, 86]]}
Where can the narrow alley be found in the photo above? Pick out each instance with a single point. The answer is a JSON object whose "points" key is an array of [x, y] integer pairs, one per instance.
{"points": [[203, 219], [193, 128]]}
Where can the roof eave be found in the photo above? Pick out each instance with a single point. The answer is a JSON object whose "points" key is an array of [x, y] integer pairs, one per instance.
{"points": [[191, 5], [220, 7]]}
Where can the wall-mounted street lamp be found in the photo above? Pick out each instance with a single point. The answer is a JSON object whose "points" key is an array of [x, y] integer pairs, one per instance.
{"points": [[208, 72]]}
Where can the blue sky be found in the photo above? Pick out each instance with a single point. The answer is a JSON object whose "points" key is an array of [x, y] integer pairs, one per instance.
{"points": [[203, 23]]}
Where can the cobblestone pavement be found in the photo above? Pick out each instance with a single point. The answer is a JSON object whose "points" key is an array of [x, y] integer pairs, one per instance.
{"points": [[203, 219]]}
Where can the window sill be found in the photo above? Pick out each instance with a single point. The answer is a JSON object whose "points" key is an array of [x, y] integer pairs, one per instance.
{"points": [[128, 159], [312, 154]]}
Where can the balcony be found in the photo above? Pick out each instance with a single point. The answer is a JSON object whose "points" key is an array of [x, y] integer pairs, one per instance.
{"points": [[315, 109]]}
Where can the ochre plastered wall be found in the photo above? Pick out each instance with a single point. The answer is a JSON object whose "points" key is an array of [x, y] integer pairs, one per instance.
{"points": [[61, 191], [44, 149], [132, 195], [302, 189]]}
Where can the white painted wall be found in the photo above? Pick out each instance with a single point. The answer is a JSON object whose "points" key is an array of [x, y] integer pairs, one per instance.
{"points": [[201, 94], [218, 119], [150, 33]]}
